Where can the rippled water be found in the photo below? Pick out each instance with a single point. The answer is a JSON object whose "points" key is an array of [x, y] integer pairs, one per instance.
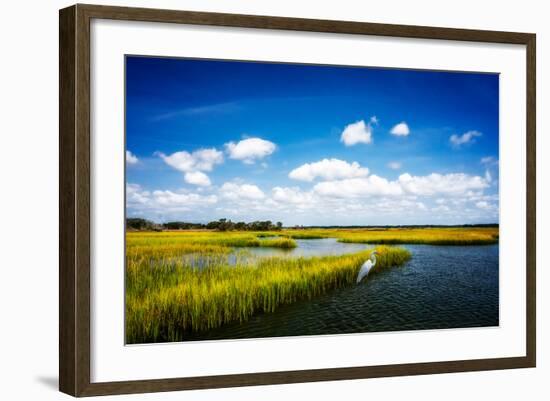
{"points": [[440, 287]]}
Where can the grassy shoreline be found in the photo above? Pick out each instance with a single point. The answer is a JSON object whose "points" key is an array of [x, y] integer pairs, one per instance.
{"points": [[166, 301], [427, 236]]}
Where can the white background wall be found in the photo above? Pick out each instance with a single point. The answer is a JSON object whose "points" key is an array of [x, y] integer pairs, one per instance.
{"points": [[29, 184]]}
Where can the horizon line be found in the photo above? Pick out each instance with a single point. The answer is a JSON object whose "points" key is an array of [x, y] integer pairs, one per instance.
{"points": [[330, 225]]}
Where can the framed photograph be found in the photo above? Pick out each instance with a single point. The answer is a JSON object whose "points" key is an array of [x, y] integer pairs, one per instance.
{"points": [[250, 200]]}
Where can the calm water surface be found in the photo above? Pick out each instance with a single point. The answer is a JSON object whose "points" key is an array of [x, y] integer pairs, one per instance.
{"points": [[311, 247], [440, 287]]}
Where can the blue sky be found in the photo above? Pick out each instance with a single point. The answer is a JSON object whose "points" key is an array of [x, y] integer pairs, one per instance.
{"points": [[309, 144]]}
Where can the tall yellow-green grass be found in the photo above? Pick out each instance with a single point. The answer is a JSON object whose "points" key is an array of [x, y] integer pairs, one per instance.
{"points": [[195, 240], [166, 297], [174, 243], [432, 236], [429, 236]]}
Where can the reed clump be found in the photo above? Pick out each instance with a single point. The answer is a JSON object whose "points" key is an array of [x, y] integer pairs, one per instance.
{"points": [[279, 242], [306, 235]]}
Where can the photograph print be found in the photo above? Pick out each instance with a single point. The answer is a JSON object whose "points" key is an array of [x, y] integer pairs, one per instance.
{"points": [[275, 199]]}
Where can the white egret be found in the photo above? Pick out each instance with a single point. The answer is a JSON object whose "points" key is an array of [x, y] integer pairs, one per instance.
{"points": [[367, 266]]}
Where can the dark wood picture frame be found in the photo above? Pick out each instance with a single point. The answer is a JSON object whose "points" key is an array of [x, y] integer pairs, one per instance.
{"points": [[74, 200]]}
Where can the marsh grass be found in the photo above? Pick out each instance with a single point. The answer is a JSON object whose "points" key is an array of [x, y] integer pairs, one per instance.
{"points": [[389, 235], [431, 236], [170, 298], [207, 241], [266, 234], [279, 242], [306, 235]]}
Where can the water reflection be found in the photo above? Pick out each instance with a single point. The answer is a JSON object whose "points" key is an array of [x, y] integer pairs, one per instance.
{"points": [[311, 247], [247, 256]]}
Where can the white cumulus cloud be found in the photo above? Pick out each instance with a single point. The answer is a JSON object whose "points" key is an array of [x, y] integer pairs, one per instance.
{"points": [[357, 132], [193, 164], [235, 191], [292, 195], [140, 201], [199, 160], [249, 150], [457, 184], [136, 195], [468, 137], [450, 184], [328, 169], [131, 158], [358, 187], [197, 178], [170, 198], [401, 129]]}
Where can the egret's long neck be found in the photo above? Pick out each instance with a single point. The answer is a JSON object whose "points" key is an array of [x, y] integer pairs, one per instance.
{"points": [[373, 258]]}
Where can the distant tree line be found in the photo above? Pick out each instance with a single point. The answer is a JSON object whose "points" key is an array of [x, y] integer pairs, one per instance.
{"points": [[139, 224]]}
